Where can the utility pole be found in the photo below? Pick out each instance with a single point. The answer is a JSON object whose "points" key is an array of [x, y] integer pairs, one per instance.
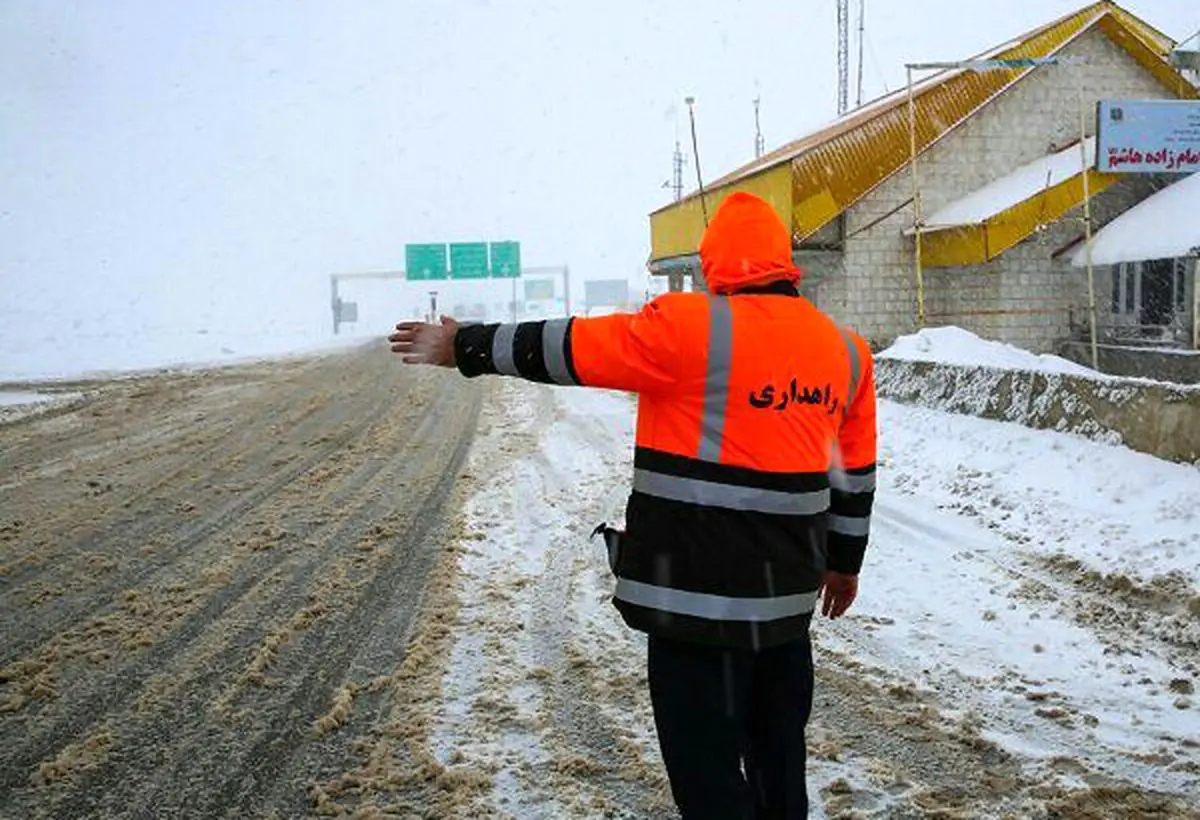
{"points": [[760, 145], [691, 102]]}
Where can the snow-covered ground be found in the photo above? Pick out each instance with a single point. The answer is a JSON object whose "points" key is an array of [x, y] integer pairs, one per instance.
{"points": [[953, 345], [1030, 606], [1027, 592], [44, 352]]}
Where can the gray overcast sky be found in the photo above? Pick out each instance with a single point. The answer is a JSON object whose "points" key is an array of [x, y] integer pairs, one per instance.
{"points": [[172, 149]]}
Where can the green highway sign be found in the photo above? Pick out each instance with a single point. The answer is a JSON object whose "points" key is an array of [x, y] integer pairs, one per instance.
{"points": [[425, 262], [506, 260], [539, 290], [468, 260]]}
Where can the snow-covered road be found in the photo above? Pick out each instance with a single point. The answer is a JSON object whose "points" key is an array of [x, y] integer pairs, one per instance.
{"points": [[1026, 640]]}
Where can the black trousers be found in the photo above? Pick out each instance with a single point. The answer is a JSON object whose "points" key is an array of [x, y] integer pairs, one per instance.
{"points": [[731, 727]]}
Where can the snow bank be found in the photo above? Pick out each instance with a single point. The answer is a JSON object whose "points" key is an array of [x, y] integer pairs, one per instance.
{"points": [[17, 404], [109, 355], [953, 345], [953, 370], [18, 398]]}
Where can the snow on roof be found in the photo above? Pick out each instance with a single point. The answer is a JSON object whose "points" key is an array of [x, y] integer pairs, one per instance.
{"points": [[1162, 226], [1023, 183], [953, 345]]}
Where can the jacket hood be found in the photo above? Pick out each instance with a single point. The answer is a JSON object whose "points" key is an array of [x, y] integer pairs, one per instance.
{"points": [[746, 243]]}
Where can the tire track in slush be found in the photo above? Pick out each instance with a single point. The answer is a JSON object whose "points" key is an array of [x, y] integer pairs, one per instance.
{"points": [[118, 684], [130, 675], [239, 424], [64, 611], [579, 726], [201, 757], [33, 448], [300, 412], [280, 741], [77, 719]]}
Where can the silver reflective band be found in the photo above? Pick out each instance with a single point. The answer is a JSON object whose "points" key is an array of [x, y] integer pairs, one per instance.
{"points": [[554, 351], [502, 350], [849, 483], [849, 526], [855, 366], [716, 381], [729, 496], [714, 607]]}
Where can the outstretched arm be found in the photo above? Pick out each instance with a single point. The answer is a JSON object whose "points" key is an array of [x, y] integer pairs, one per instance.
{"points": [[633, 352]]}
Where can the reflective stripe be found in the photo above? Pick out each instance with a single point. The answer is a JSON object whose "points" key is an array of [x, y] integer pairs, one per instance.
{"points": [[850, 483], [502, 350], [554, 351], [716, 382], [729, 496], [855, 366], [714, 607], [843, 525]]}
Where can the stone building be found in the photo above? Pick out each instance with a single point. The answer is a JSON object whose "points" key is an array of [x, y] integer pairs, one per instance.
{"points": [[1000, 186]]}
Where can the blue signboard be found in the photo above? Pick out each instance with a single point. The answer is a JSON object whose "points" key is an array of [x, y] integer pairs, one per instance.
{"points": [[1148, 136]]}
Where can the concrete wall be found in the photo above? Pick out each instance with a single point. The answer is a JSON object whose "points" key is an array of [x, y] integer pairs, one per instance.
{"points": [[1162, 420], [871, 287], [1178, 366]]}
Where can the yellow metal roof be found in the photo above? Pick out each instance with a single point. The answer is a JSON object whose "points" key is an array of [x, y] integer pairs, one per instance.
{"points": [[816, 178]]}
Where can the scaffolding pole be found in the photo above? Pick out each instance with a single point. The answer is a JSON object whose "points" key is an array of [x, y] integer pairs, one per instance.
{"points": [[1087, 224], [916, 184]]}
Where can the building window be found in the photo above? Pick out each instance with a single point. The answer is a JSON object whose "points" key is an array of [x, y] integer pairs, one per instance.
{"points": [[1129, 281], [1124, 288], [1181, 286]]}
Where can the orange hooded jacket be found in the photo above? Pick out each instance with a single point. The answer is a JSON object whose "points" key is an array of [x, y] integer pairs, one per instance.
{"points": [[754, 467]]}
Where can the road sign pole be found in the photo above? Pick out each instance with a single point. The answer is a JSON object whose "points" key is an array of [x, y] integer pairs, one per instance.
{"points": [[333, 301]]}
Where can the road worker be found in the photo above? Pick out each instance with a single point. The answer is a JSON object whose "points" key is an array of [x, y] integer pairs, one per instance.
{"points": [[754, 477]]}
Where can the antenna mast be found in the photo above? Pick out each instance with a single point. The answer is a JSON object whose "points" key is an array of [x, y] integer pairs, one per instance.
{"points": [[843, 55], [862, 28], [760, 145], [677, 163]]}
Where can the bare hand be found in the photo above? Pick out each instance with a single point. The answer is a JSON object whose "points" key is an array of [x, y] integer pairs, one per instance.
{"points": [[423, 343], [838, 592]]}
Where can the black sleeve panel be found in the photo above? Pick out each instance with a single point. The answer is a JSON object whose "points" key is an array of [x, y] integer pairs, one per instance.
{"points": [[473, 349]]}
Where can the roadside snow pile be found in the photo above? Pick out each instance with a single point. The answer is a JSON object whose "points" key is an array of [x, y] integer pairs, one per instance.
{"points": [[953, 370], [15, 404], [19, 398], [953, 345]]}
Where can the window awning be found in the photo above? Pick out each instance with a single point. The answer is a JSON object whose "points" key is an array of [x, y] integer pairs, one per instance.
{"points": [[1165, 225], [984, 224]]}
